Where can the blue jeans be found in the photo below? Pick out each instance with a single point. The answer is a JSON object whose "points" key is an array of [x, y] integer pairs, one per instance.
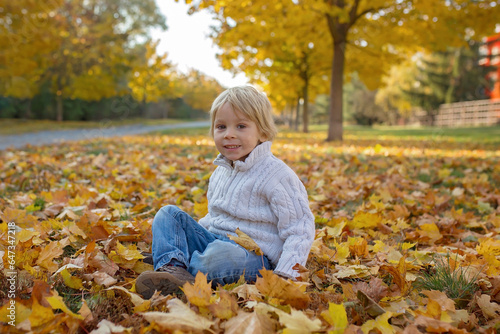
{"points": [[179, 240]]}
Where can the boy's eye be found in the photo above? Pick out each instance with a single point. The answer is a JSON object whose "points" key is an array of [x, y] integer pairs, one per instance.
{"points": [[242, 126], [220, 127]]}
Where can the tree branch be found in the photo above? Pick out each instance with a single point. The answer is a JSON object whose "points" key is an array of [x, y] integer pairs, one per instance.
{"points": [[370, 10]]}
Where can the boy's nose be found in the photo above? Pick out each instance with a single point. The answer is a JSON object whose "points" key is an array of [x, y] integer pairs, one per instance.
{"points": [[229, 134]]}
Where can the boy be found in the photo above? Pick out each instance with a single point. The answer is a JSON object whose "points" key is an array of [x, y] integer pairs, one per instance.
{"points": [[251, 190]]}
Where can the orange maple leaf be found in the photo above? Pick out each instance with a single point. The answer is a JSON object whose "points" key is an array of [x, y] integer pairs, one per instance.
{"points": [[288, 292], [200, 292]]}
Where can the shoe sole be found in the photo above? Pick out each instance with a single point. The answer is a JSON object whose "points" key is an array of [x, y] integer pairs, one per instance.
{"points": [[150, 281]]}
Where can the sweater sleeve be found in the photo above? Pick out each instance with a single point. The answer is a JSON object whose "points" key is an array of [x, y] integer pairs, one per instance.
{"points": [[290, 204], [205, 221]]}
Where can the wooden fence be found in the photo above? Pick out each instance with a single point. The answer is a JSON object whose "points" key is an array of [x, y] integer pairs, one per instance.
{"points": [[470, 113]]}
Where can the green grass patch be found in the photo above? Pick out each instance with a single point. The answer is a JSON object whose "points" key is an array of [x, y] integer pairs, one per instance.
{"points": [[198, 131], [481, 134], [471, 138], [489, 136], [426, 178], [485, 135], [447, 276], [20, 126]]}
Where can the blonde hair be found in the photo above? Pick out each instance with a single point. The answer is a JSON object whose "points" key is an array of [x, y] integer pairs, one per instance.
{"points": [[250, 102]]}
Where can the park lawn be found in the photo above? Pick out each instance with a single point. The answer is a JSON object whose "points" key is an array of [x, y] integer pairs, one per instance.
{"points": [[392, 213], [490, 135], [20, 126], [479, 134], [485, 137]]}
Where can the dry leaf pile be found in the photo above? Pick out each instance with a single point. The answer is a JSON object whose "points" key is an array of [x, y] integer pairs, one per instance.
{"points": [[384, 210]]}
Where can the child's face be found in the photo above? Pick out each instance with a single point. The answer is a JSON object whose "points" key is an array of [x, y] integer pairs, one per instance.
{"points": [[235, 135]]}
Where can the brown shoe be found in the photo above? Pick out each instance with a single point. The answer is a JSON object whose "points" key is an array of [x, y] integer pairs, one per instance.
{"points": [[167, 279]]}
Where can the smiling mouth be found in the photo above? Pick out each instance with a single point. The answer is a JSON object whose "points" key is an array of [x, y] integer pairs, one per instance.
{"points": [[231, 146]]}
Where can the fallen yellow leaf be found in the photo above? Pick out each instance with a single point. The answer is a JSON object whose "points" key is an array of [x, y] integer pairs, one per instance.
{"points": [[200, 292], [246, 242], [336, 316], [180, 317]]}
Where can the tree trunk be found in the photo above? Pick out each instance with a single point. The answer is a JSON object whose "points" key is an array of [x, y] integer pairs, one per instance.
{"points": [[305, 112], [287, 115], [297, 114], [336, 88], [59, 99], [455, 74], [59, 108], [165, 110], [27, 114], [144, 107]]}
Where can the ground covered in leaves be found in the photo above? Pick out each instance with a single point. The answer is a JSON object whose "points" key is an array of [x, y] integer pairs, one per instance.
{"points": [[407, 238]]}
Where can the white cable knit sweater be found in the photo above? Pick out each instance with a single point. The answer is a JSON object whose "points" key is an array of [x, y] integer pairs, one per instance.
{"points": [[265, 199]]}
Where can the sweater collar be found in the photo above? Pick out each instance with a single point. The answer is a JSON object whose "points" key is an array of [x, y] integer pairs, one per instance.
{"points": [[260, 151]]}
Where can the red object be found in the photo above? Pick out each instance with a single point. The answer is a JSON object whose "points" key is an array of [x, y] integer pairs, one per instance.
{"points": [[490, 52]]}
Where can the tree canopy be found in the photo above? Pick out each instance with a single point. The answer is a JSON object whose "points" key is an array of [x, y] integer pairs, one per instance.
{"points": [[89, 51], [351, 35]]}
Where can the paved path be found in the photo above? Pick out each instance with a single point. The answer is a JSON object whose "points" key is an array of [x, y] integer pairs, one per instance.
{"points": [[58, 136]]}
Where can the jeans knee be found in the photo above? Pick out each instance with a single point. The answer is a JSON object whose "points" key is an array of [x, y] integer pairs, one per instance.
{"points": [[166, 211], [170, 209]]}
